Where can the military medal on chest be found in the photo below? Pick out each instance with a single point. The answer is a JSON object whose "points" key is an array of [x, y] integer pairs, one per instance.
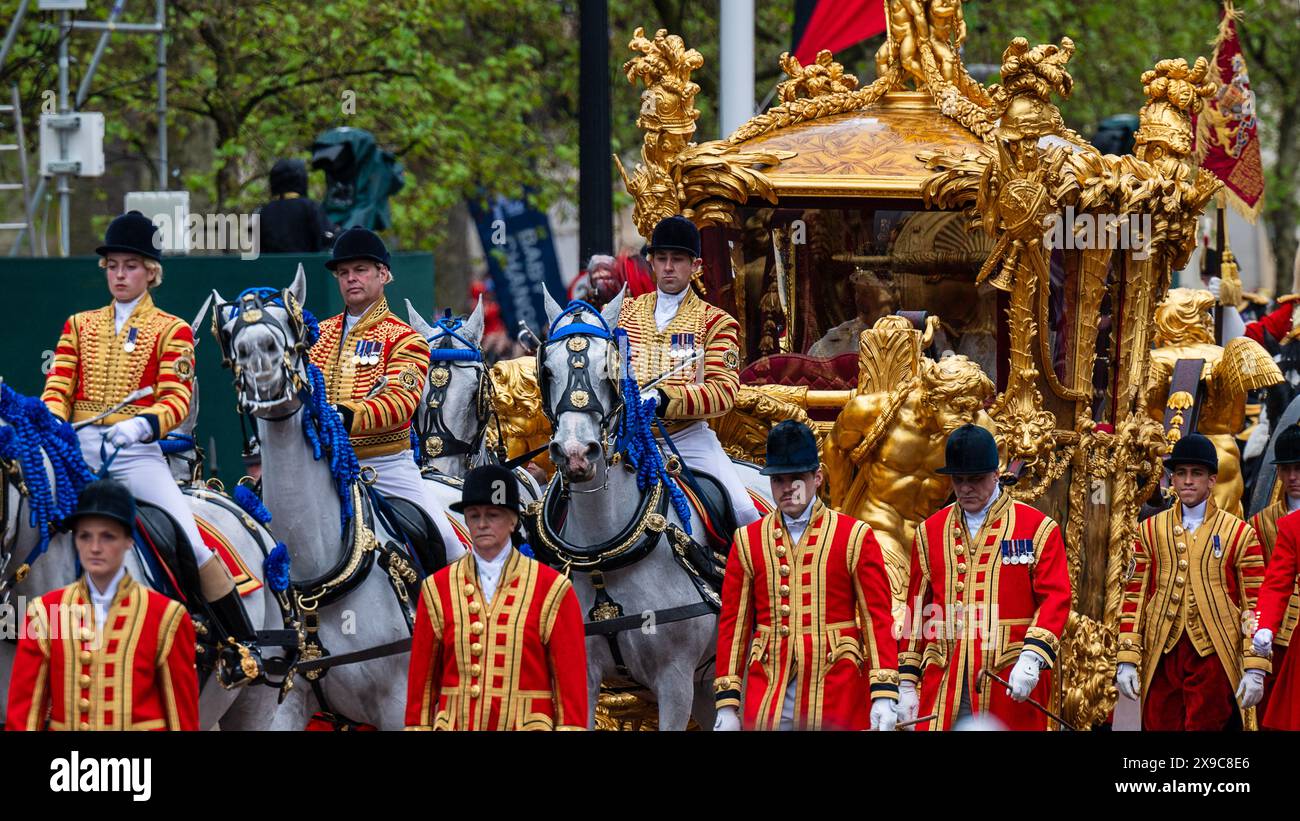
{"points": [[366, 353], [129, 344], [1017, 551], [681, 346]]}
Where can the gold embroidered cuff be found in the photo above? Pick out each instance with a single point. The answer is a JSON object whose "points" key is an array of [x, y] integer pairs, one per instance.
{"points": [[909, 667], [726, 692], [418, 727], [1130, 648], [569, 728], [884, 684], [1043, 643]]}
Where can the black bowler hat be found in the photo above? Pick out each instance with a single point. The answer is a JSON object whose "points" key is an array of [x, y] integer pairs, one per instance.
{"points": [[488, 485], [106, 498], [358, 243], [969, 451], [1286, 450], [132, 233], [791, 448], [675, 234], [1194, 449]]}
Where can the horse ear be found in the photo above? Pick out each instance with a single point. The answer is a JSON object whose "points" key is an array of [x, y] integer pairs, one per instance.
{"points": [[473, 328], [417, 322], [553, 309], [220, 308], [611, 311], [299, 286]]}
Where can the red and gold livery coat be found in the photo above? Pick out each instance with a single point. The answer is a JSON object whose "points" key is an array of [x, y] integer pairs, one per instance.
{"points": [[1199, 583], [518, 662], [95, 367], [137, 674], [1277, 606], [976, 602], [1267, 524], [379, 350], [817, 611], [699, 326]]}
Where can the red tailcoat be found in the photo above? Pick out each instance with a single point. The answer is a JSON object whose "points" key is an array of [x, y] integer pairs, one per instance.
{"points": [[1276, 598], [816, 611], [970, 609], [516, 663], [139, 675]]}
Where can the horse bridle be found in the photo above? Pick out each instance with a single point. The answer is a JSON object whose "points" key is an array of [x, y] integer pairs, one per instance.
{"points": [[579, 394], [436, 439], [250, 308]]}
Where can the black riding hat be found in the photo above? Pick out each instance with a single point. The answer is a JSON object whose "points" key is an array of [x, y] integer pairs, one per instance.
{"points": [[969, 451], [675, 233], [1194, 449], [488, 485], [107, 498], [1286, 450], [132, 233], [358, 243], [791, 448]]}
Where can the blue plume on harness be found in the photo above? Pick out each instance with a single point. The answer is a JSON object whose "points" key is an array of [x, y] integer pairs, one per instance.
{"points": [[248, 501], [32, 435], [275, 568], [636, 438]]}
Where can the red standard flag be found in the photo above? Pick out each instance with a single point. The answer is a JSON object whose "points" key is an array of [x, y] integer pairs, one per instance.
{"points": [[837, 25], [1227, 130]]}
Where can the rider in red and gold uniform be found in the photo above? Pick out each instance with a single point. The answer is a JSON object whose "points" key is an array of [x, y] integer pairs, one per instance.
{"points": [[665, 329], [374, 366], [109, 353]]}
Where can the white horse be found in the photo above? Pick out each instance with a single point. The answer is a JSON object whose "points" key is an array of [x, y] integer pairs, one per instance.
{"points": [[456, 408], [336, 580], [56, 568], [621, 542]]}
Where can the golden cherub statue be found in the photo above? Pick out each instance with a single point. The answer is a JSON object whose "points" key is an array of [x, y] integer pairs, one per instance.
{"points": [[887, 445]]}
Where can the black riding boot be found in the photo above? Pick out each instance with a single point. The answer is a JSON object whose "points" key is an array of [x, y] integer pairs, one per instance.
{"points": [[239, 661]]}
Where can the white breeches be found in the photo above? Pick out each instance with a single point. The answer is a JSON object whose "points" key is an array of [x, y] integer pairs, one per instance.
{"points": [[398, 475], [699, 446], [143, 469]]}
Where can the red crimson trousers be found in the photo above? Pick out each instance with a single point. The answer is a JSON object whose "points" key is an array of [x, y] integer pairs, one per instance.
{"points": [[1188, 692]]}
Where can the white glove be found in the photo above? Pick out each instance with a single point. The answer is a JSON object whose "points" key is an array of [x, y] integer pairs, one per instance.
{"points": [[1214, 286], [883, 714], [651, 395], [1251, 689], [1127, 679], [728, 721], [1263, 642], [909, 703], [1024, 676], [128, 432]]}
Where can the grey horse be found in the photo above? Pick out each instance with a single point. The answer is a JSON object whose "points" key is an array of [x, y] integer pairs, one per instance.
{"points": [[456, 408], [305, 504], [672, 662]]}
